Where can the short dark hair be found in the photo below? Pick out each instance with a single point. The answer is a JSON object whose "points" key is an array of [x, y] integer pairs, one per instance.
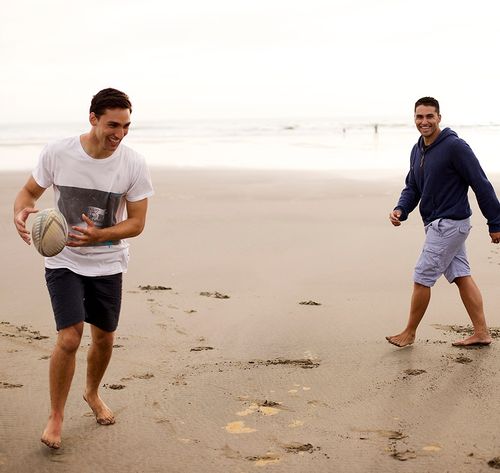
{"points": [[109, 98], [429, 101]]}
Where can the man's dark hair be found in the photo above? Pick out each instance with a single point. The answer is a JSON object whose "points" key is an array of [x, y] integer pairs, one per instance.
{"points": [[109, 99], [428, 101]]}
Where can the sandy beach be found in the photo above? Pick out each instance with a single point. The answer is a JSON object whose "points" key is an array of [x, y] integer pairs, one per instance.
{"points": [[252, 338]]}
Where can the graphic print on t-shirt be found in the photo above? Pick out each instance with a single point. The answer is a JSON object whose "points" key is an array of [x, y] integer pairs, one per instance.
{"points": [[98, 206]]}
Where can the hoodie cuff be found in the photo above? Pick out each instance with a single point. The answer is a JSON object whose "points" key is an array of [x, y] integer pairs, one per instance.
{"points": [[404, 214]]}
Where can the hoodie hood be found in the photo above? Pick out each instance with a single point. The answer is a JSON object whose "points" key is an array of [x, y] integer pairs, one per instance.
{"points": [[445, 133]]}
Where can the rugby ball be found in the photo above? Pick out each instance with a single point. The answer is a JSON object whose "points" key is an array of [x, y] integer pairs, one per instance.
{"points": [[49, 232]]}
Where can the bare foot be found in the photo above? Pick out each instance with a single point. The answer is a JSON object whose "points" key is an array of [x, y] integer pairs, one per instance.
{"points": [[103, 414], [401, 340], [474, 340], [52, 434]]}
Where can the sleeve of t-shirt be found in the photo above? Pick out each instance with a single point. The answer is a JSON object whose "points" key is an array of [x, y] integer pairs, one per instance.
{"points": [[43, 172], [142, 186]]}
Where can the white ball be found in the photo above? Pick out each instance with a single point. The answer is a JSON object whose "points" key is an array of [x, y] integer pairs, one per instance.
{"points": [[49, 232]]}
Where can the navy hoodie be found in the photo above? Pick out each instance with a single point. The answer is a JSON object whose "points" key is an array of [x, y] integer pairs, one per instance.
{"points": [[439, 178]]}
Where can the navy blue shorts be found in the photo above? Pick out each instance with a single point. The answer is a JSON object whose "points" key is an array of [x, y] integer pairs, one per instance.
{"points": [[76, 298]]}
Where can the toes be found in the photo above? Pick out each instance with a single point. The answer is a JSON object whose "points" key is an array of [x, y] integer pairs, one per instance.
{"points": [[54, 445], [106, 420]]}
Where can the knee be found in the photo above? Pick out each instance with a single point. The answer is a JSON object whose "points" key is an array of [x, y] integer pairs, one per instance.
{"points": [[69, 339], [102, 339]]}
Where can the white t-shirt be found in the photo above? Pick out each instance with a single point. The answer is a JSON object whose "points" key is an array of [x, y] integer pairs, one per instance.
{"points": [[99, 188]]}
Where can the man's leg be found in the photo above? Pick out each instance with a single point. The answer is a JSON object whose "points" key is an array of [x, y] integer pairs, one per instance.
{"points": [[473, 302], [419, 303], [62, 368], [98, 358]]}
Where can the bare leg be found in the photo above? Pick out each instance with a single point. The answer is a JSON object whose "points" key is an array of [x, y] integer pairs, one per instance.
{"points": [[62, 368], [473, 302], [98, 358], [419, 303]]}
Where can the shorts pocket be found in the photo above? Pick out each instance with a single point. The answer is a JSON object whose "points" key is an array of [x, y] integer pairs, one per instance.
{"points": [[429, 263], [465, 229]]}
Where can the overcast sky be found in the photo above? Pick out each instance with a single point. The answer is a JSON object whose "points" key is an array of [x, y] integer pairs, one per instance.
{"points": [[250, 58]]}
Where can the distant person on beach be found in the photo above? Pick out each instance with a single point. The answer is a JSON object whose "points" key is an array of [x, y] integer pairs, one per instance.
{"points": [[102, 188], [442, 167]]}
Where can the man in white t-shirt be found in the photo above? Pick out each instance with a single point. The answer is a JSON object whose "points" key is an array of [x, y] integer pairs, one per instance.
{"points": [[102, 188]]}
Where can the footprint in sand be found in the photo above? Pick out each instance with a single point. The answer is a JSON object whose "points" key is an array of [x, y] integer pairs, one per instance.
{"points": [[179, 380], [495, 463], [300, 448], [138, 376], [432, 448], [143, 376], [267, 459], [266, 408], [188, 441], [305, 363], [149, 287], [22, 331], [155, 306], [393, 437], [114, 386], [239, 427], [258, 460], [403, 455], [4, 385], [216, 295], [463, 359], [413, 372]]}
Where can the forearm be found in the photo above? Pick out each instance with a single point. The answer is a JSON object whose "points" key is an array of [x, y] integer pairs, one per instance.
{"points": [[129, 228], [24, 204], [24, 199]]}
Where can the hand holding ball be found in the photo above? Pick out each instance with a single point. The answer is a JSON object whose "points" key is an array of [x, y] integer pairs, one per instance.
{"points": [[49, 232]]}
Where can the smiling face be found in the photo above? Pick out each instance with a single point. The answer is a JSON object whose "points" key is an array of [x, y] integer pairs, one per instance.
{"points": [[109, 129], [427, 121]]}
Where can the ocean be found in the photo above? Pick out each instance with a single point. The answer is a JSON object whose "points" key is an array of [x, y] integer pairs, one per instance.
{"points": [[367, 147]]}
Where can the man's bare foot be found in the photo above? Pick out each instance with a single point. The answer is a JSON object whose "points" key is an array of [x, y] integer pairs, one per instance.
{"points": [[401, 340], [473, 340], [103, 414], [52, 434]]}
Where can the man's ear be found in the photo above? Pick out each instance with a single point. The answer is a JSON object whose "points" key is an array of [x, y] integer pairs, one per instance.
{"points": [[93, 119]]}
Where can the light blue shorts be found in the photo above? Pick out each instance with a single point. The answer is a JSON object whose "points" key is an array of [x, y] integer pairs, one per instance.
{"points": [[443, 252]]}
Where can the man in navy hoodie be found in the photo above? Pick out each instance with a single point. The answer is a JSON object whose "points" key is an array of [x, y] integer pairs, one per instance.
{"points": [[442, 167]]}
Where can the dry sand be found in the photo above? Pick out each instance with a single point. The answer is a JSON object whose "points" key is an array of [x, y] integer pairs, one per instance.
{"points": [[258, 381]]}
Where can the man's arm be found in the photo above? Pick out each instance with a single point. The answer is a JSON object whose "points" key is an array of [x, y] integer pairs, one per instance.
{"points": [[410, 197], [468, 166], [130, 227], [24, 205]]}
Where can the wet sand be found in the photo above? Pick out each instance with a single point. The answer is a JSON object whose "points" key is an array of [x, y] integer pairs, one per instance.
{"points": [[252, 338]]}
